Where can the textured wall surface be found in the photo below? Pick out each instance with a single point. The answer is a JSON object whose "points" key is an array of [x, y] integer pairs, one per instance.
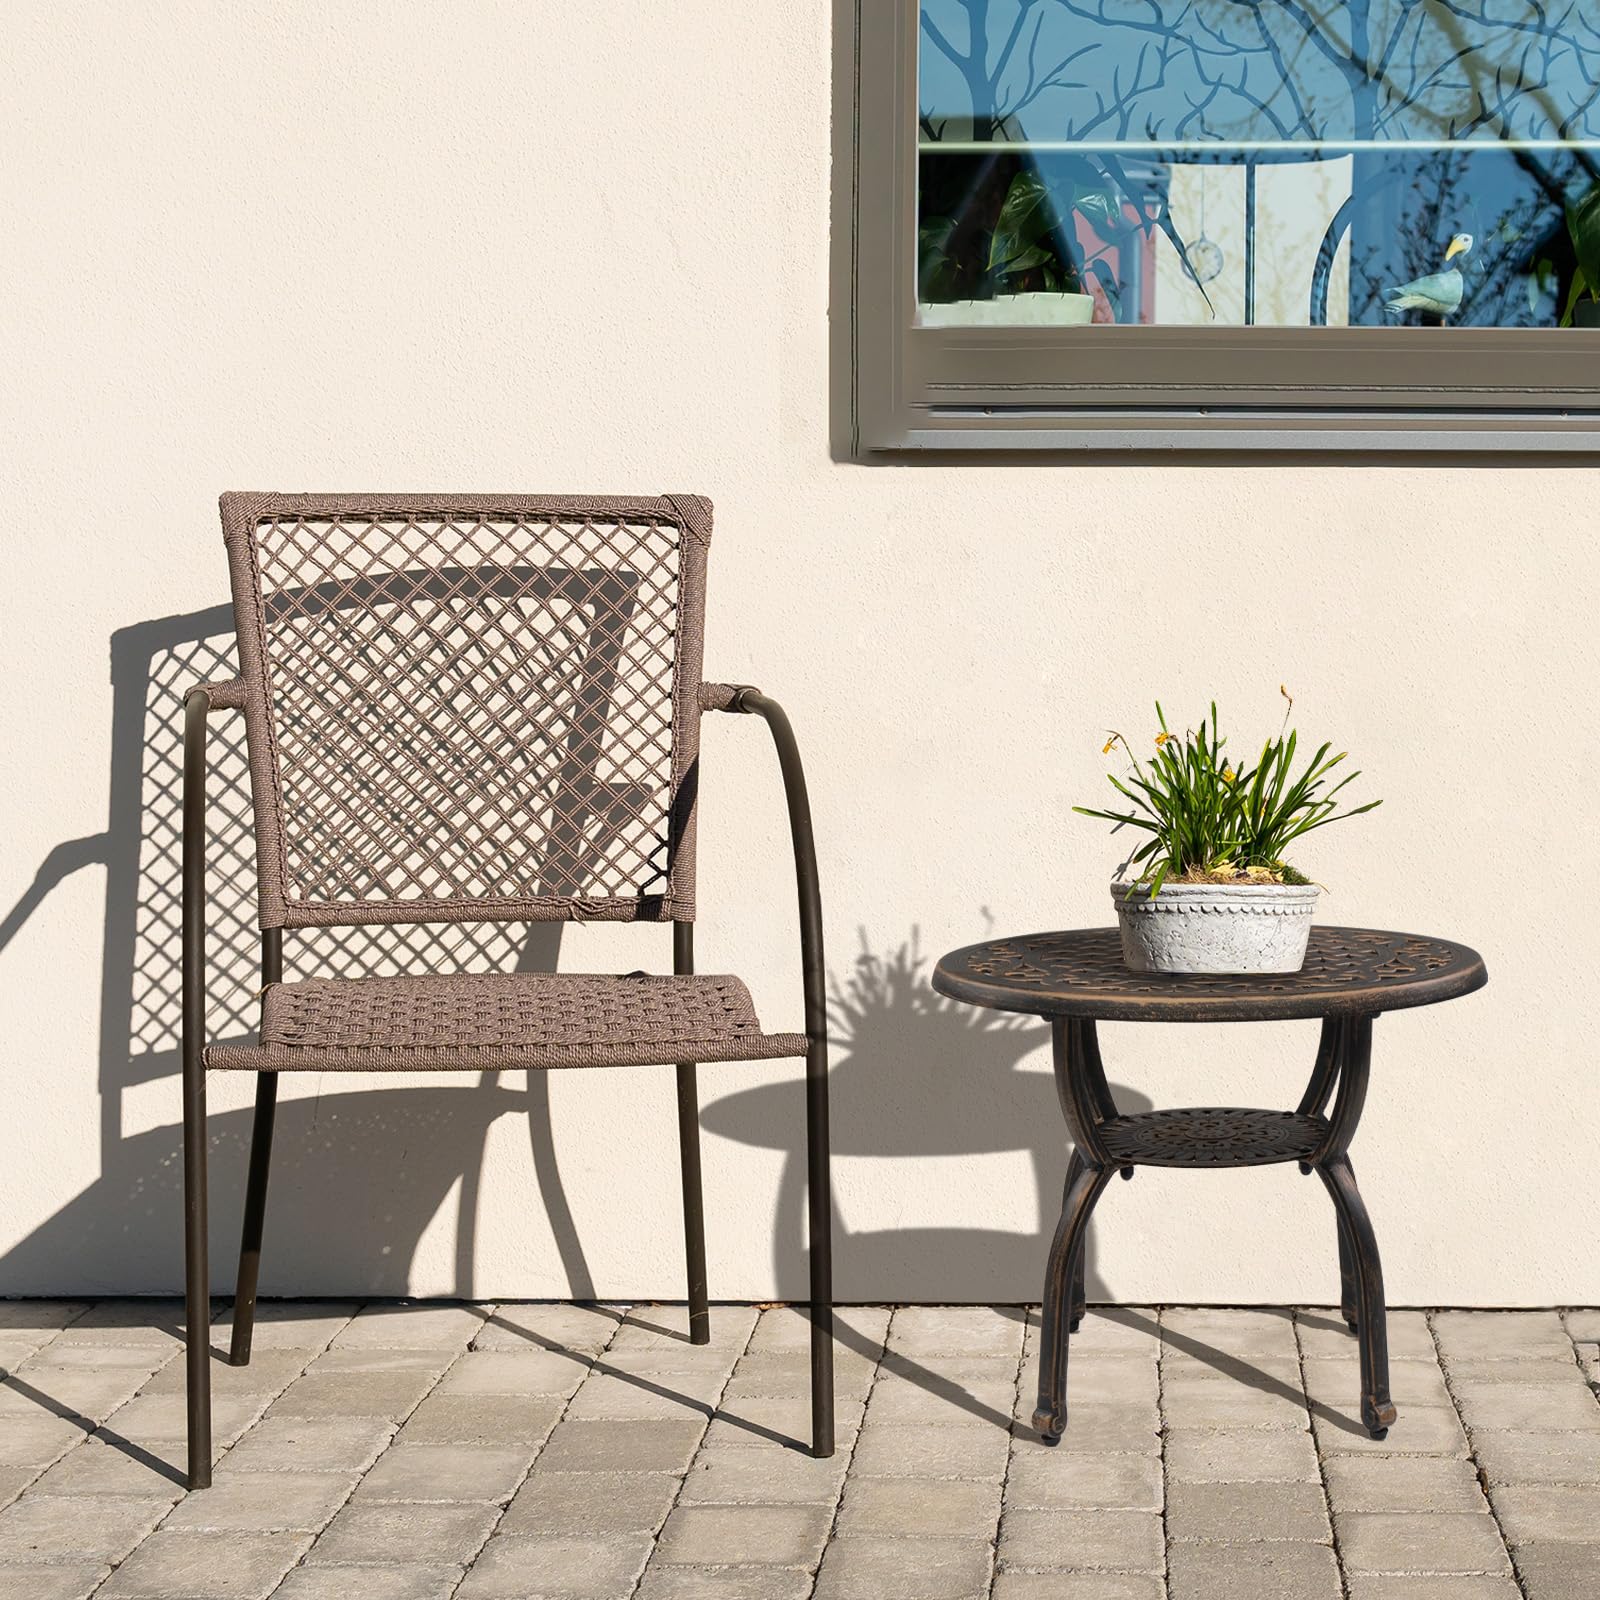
{"points": [[586, 248]]}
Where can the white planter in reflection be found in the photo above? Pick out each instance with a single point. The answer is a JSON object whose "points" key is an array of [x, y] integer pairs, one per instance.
{"points": [[1040, 309]]}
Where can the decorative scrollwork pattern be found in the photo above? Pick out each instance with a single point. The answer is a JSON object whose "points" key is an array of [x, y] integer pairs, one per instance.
{"points": [[1348, 971], [1213, 1136]]}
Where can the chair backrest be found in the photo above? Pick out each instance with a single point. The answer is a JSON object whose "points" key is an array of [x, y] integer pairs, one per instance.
{"points": [[470, 707]]}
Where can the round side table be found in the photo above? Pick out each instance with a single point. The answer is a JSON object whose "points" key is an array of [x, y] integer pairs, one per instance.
{"points": [[1078, 978]]}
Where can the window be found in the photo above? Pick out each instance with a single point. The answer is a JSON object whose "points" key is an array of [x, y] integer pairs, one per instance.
{"points": [[1357, 223]]}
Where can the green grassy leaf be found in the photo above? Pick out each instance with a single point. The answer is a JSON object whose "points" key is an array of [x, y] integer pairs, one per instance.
{"points": [[1199, 821]]}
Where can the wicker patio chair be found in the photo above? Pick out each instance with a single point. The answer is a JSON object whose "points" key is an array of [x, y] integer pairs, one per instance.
{"points": [[478, 708]]}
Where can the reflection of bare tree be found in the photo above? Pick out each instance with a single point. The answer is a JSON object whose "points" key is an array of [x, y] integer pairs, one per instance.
{"points": [[985, 72], [1206, 69], [1119, 92], [1508, 65], [1218, 66], [1435, 68]]}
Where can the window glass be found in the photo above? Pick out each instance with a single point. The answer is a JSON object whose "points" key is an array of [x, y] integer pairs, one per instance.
{"points": [[1269, 162]]}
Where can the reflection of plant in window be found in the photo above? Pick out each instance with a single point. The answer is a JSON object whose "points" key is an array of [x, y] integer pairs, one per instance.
{"points": [[1583, 225], [1064, 228], [1026, 249], [1544, 277]]}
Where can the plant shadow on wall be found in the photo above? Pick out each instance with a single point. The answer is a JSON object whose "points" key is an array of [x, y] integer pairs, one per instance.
{"points": [[385, 1161], [918, 1077]]}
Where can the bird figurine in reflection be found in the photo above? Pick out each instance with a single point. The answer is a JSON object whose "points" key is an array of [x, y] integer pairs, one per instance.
{"points": [[1439, 294]]}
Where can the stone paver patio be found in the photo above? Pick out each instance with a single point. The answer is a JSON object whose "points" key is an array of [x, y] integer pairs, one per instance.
{"points": [[427, 1451]]}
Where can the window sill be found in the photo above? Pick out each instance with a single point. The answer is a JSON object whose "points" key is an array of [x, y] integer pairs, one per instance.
{"points": [[965, 430]]}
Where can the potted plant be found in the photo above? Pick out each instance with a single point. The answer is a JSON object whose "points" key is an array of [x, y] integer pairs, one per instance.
{"points": [[1211, 888], [1062, 228], [1027, 275]]}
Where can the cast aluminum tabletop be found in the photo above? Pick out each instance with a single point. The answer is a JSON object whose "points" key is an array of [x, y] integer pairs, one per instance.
{"points": [[1078, 978]]}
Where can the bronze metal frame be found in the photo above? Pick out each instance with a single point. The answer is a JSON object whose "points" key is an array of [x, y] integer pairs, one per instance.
{"points": [[819, 1191], [198, 705], [1089, 1108], [1351, 976], [196, 1271]]}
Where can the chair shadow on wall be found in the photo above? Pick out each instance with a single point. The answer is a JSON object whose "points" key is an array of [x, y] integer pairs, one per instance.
{"points": [[384, 1162], [915, 1077]]}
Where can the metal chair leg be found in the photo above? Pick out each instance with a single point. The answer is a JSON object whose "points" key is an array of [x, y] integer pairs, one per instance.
{"points": [[197, 1294], [1377, 1408], [694, 1208], [255, 1187], [196, 1271], [694, 1211], [1083, 1188], [819, 1196], [255, 1217], [815, 983]]}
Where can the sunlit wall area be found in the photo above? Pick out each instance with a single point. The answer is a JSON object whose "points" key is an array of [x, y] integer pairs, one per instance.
{"points": [[587, 249]]}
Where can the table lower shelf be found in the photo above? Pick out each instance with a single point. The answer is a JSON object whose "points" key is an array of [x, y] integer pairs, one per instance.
{"points": [[1212, 1136]]}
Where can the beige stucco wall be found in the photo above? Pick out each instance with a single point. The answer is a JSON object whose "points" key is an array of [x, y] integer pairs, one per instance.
{"points": [[539, 246]]}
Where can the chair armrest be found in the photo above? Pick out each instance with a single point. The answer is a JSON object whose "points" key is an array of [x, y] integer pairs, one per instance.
{"points": [[747, 700], [722, 696], [226, 696]]}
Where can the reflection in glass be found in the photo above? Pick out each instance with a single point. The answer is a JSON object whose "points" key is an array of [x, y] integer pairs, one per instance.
{"points": [[1288, 162]]}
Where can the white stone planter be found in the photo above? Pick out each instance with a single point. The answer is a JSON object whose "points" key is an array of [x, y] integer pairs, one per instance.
{"points": [[1036, 309], [1215, 927]]}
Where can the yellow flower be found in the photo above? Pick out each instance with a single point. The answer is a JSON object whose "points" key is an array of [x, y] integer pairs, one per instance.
{"points": [[1162, 739], [1228, 774], [1109, 745]]}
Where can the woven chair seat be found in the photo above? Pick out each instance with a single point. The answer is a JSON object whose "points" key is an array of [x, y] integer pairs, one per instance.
{"points": [[492, 1021]]}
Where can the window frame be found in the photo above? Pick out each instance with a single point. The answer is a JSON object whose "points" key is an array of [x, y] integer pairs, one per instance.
{"points": [[914, 389]]}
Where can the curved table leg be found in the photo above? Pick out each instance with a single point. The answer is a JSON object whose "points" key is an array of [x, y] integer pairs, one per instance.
{"points": [[1074, 1167], [1314, 1102], [1084, 1186], [1349, 1291], [1103, 1106], [1325, 1071], [1080, 1299], [1377, 1409], [1360, 1272], [1086, 1106]]}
